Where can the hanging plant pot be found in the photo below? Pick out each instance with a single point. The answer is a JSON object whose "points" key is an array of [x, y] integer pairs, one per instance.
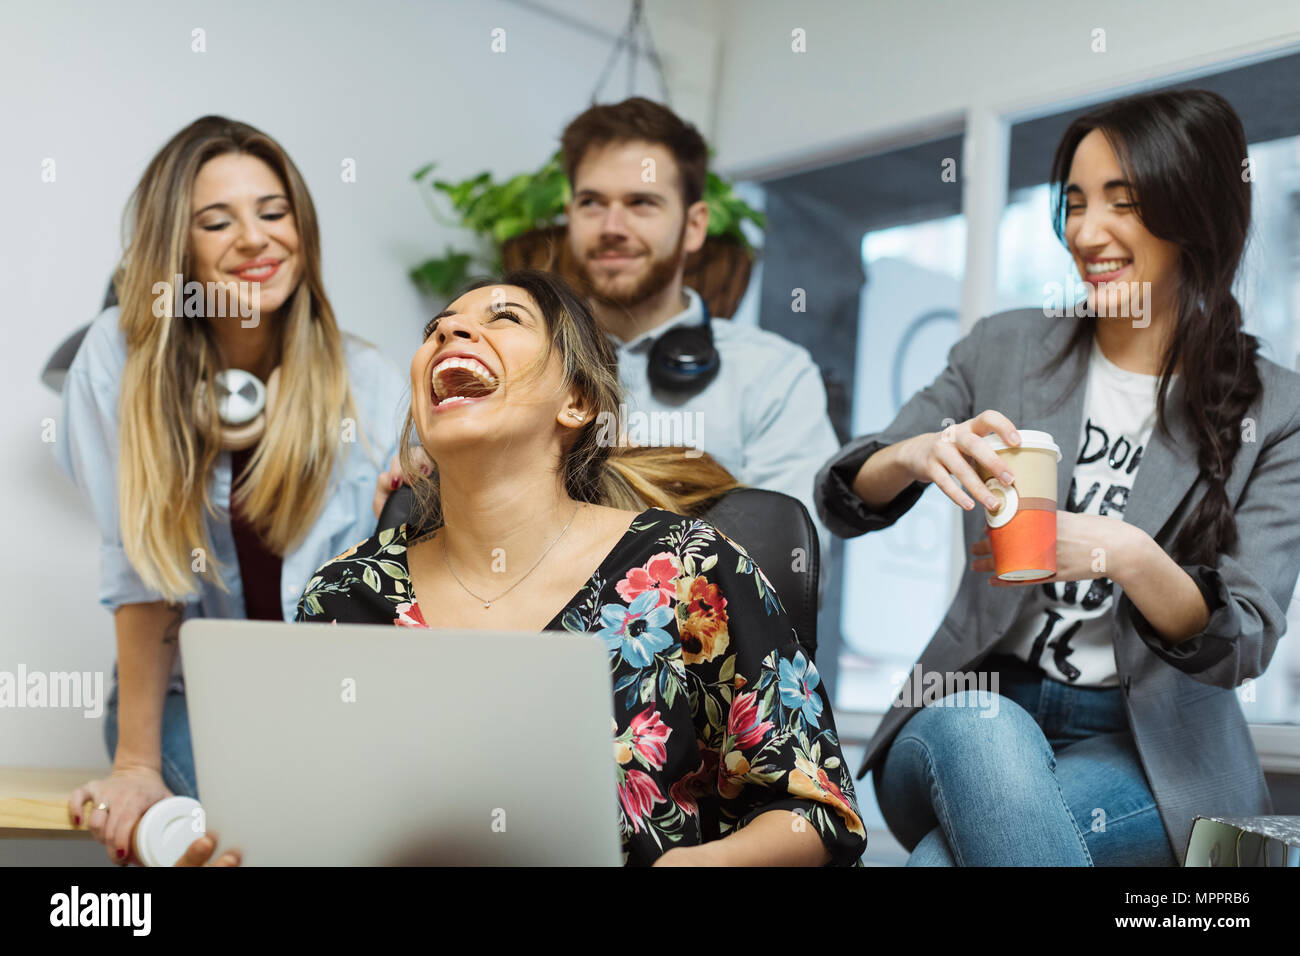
{"points": [[719, 271], [546, 249], [517, 225]]}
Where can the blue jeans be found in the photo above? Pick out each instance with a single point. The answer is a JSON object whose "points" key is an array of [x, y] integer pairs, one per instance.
{"points": [[1051, 778], [177, 757]]}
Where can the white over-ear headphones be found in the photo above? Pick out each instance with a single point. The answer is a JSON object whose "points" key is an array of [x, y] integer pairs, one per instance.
{"points": [[243, 406]]}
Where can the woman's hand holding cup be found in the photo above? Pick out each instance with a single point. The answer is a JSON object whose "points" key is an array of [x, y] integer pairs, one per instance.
{"points": [[945, 458], [1087, 547], [125, 794]]}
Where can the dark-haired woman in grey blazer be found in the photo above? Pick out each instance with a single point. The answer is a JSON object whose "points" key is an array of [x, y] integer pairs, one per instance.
{"points": [[1114, 719]]}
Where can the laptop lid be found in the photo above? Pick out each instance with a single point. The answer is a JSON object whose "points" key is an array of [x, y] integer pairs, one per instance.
{"points": [[319, 744]]}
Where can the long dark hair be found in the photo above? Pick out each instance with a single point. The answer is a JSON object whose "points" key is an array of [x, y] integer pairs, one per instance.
{"points": [[1184, 153]]}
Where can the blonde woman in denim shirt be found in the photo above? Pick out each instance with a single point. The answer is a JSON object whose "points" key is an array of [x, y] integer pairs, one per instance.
{"points": [[200, 514]]}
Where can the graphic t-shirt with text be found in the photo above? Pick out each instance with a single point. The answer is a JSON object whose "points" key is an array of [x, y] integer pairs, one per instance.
{"points": [[1065, 628]]}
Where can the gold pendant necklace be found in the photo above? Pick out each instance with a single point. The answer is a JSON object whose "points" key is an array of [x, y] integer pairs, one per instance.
{"points": [[487, 603]]}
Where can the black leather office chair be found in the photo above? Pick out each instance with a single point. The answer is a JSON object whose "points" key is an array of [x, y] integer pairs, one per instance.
{"points": [[776, 531], [773, 528]]}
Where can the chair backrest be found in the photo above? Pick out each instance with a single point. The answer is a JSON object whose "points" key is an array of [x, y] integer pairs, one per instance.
{"points": [[56, 369], [776, 531], [773, 528], [397, 509]]}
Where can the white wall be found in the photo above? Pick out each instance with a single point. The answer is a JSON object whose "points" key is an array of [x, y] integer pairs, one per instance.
{"points": [[875, 67], [99, 87]]}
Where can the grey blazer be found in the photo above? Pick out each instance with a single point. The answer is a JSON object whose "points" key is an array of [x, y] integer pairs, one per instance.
{"points": [[1182, 706]]}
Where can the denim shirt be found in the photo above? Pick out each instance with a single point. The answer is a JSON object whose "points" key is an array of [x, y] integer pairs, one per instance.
{"points": [[763, 418], [87, 452]]}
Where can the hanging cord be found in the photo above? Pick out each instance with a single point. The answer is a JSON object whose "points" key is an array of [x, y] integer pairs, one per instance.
{"points": [[636, 40]]}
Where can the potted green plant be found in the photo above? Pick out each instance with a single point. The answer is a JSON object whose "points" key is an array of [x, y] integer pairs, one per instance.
{"points": [[520, 223]]}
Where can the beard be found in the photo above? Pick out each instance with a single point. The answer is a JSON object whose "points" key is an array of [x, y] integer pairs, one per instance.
{"points": [[656, 278]]}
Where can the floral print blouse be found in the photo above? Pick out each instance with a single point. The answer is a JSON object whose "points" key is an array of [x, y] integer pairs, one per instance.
{"points": [[719, 714]]}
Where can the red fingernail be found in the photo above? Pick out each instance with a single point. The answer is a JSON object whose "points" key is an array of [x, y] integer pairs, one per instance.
{"points": [[394, 483], [77, 820], [120, 853]]}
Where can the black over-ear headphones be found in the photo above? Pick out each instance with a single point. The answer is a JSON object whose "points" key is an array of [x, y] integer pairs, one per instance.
{"points": [[684, 359]]}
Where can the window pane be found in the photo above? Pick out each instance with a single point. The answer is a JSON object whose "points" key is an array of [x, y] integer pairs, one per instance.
{"points": [[1268, 288], [897, 581], [1034, 267]]}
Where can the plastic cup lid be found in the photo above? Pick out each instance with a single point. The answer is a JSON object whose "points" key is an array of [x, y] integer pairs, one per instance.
{"points": [[167, 829], [1028, 439]]}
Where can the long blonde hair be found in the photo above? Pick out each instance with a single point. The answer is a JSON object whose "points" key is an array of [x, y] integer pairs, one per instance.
{"points": [[168, 444], [596, 469]]}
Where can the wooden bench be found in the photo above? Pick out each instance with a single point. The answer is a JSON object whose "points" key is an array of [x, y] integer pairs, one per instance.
{"points": [[34, 802]]}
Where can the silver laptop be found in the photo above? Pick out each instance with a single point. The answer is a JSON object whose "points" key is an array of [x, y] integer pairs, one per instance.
{"points": [[349, 744]]}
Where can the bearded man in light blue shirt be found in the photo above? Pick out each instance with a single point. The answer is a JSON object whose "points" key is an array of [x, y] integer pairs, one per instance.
{"points": [[637, 173]]}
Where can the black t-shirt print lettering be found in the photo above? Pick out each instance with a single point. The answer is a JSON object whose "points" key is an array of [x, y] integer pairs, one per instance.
{"points": [[1121, 458], [1097, 443], [1060, 645]]}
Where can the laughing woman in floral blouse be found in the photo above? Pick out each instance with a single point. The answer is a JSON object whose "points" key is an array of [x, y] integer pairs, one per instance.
{"points": [[723, 737]]}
